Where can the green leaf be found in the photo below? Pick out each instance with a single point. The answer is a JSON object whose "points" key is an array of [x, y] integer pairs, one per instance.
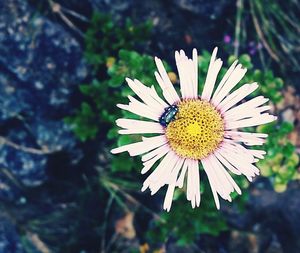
{"points": [[286, 127]]}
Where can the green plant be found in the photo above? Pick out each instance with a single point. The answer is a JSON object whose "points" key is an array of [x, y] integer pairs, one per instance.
{"points": [[184, 223], [104, 38], [280, 164]]}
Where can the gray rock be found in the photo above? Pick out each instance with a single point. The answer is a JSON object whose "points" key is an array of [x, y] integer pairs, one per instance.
{"points": [[9, 239], [111, 5], [44, 58], [26, 167], [211, 9], [12, 101], [41, 64]]}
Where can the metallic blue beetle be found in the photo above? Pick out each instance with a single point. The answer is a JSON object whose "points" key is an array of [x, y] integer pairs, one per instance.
{"points": [[168, 115]]}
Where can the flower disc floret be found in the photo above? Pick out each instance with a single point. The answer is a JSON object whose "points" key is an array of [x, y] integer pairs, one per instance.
{"points": [[197, 130]]}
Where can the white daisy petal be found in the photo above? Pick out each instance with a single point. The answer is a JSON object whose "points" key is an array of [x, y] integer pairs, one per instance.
{"points": [[212, 74], [223, 187], [237, 96], [180, 180], [168, 162], [212, 181], [247, 138], [196, 178], [254, 121], [146, 145], [236, 76], [168, 176], [145, 95], [257, 153], [155, 96], [139, 109], [163, 80], [226, 163], [169, 197], [172, 184], [132, 126], [195, 79], [240, 162], [237, 149], [190, 185], [224, 79], [188, 72], [246, 108], [152, 157], [155, 152], [225, 173]]}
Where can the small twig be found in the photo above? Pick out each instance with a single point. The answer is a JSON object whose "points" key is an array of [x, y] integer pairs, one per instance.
{"points": [[110, 201], [56, 8], [43, 151], [37, 242], [75, 14], [7, 173], [111, 242], [135, 201]]}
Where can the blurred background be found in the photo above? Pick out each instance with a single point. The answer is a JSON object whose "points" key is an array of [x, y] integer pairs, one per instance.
{"points": [[62, 70]]}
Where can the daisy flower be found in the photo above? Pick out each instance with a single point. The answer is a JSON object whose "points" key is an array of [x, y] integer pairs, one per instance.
{"points": [[192, 130]]}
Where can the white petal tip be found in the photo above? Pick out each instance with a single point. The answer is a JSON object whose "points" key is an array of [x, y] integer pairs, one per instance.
{"points": [[116, 150], [144, 170]]}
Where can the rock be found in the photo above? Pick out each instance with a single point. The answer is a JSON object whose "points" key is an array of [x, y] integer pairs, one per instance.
{"points": [[279, 213], [45, 137], [12, 101], [112, 6], [289, 213], [9, 239], [8, 190], [210, 9], [27, 167], [253, 242], [55, 136], [43, 57], [41, 64]]}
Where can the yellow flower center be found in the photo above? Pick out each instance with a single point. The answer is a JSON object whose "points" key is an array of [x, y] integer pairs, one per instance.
{"points": [[197, 129]]}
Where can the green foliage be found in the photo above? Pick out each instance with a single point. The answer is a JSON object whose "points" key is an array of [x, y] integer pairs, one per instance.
{"points": [[84, 124], [105, 38], [100, 112], [133, 65], [184, 223], [280, 163]]}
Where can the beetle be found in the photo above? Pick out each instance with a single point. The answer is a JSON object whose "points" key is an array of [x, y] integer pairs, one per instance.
{"points": [[168, 115]]}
